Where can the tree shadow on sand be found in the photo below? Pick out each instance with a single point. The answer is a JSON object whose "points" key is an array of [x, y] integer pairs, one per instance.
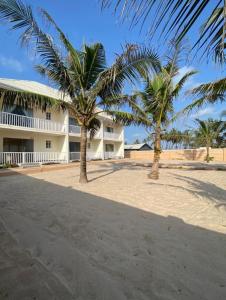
{"points": [[80, 246], [204, 189]]}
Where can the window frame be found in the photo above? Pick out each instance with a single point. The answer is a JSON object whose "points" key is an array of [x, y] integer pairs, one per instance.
{"points": [[48, 144], [48, 116], [109, 129]]}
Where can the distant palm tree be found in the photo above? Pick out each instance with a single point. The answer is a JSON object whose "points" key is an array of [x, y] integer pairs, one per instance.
{"points": [[154, 106], [208, 133], [177, 18], [83, 75]]}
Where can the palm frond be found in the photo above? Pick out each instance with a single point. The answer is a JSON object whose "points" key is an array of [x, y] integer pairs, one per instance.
{"points": [[127, 118], [21, 17], [177, 18], [134, 62], [26, 99], [180, 84], [93, 126]]}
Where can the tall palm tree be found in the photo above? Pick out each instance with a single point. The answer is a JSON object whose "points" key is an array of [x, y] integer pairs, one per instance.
{"points": [[208, 133], [177, 18], [83, 75], [154, 106]]}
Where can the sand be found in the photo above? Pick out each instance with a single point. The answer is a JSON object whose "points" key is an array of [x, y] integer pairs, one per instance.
{"points": [[122, 236]]}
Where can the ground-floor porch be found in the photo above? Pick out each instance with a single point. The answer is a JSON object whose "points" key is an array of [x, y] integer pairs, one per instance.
{"points": [[22, 148]]}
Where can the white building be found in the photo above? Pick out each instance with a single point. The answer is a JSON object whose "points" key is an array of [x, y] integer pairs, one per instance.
{"points": [[34, 136]]}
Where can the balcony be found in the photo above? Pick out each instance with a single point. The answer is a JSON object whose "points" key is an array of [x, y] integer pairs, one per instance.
{"points": [[112, 136], [76, 130], [26, 158], [8, 120]]}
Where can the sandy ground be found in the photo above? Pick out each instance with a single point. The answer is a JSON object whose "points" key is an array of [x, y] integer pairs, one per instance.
{"points": [[122, 236]]}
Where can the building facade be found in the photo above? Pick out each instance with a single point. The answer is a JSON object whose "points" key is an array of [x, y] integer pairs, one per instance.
{"points": [[34, 136]]}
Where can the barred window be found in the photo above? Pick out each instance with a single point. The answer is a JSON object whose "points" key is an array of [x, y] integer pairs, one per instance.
{"points": [[48, 116], [48, 145]]}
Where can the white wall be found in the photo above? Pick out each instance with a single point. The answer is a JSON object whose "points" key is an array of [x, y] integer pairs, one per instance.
{"points": [[57, 142]]}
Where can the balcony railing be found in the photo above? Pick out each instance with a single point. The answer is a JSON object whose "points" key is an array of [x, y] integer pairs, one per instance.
{"points": [[89, 155], [18, 158], [29, 122], [112, 136], [109, 155], [74, 129]]}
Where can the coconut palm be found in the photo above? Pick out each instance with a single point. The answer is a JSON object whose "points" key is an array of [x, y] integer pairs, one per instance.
{"points": [[177, 18], [83, 75], [209, 133], [154, 106]]}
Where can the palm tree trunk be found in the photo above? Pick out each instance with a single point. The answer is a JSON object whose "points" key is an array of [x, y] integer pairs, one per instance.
{"points": [[83, 173], [208, 153], [157, 150]]}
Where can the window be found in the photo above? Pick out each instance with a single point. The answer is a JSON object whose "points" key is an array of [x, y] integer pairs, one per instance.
{"points": [[48, 116], [48, 145], [109, 148], [110, 129]]}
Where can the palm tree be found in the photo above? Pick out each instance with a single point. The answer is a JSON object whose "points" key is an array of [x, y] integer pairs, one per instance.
{"points": [[208, 133], [177, 18], [83, 75], [154, 105]]}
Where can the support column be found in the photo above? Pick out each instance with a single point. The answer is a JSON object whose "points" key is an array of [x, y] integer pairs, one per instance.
{"points": [[66, 146], [102, 140]]}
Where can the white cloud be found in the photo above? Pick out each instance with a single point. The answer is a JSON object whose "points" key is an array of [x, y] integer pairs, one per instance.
{"points": [[11, 63], [208, 111]]}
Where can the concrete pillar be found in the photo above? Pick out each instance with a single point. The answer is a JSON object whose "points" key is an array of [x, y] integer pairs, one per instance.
{"points": [[102, 139], [66, 141]]}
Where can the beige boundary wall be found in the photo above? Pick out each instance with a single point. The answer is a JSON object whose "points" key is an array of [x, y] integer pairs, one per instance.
{"points": [[180, 154]]}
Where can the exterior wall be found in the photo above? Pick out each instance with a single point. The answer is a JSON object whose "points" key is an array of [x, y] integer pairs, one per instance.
{"points": [[56, 116], [118, 148], [57, 142], [60, 140], [180, 154]]}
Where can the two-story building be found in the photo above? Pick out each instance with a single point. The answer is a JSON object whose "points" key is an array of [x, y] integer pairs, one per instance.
{"points": [[34, 136]]}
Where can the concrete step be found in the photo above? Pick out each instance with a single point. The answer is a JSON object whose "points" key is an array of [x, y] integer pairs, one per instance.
{"points": [[30, 165]]}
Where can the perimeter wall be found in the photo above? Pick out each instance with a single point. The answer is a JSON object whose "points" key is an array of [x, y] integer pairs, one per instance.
{"points": [[180, 154]]}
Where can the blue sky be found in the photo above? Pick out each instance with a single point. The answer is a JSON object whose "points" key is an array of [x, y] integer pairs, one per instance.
{"points": [[82, 20]]}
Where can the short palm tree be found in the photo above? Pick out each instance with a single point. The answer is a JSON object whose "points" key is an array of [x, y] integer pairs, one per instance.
{"points": [[154, 106], [83, 75], [208, 133]]}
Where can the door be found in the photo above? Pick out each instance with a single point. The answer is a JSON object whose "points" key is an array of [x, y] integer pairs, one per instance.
{"points": [[18, 145], [74, 146]]}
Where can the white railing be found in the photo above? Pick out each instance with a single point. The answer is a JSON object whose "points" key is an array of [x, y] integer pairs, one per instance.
{"points": [[112, 135], [89, 155], [29, 122], [19, 158], [74, 156], [108, 155], [93, 155], [74, 129]]}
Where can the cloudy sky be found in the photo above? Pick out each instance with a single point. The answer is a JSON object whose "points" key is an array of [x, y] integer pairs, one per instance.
{"points": [[83, 21]]}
